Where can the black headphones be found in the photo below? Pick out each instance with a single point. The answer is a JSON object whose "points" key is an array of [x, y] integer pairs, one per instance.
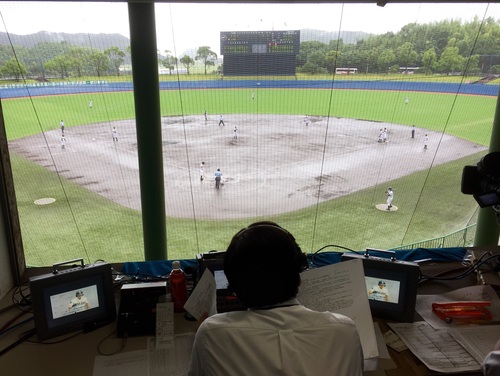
{"points": [[300, 257]]}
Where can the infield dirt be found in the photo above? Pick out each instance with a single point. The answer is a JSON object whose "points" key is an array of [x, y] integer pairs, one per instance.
{"points": [[277, 164]]}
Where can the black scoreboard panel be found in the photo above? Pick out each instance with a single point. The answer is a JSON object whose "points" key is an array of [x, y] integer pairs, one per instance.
{"points": [[259, 42], [259, 65], [259, 52]]}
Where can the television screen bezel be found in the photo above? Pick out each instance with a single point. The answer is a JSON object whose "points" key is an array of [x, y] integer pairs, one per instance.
{"points": [[214, 262], [406, 273], [75, 279]]}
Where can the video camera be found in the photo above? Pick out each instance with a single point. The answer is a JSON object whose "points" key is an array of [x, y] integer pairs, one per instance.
{"points": [[483, 180]]}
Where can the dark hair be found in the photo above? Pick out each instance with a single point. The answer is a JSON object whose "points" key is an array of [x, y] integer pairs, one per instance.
{"points": [[263, 264]]}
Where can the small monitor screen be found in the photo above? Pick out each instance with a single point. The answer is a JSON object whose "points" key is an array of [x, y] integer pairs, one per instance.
{"points": [[221, 282], [78, 299], [384, 290], [226, 300]]}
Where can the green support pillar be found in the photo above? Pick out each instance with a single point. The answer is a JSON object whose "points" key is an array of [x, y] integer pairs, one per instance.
{"points": [[487, 229], [148, 124]]}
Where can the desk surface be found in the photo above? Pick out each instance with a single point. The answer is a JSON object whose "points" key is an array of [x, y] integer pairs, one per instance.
{"points": [[76, 355], [73, 357]]}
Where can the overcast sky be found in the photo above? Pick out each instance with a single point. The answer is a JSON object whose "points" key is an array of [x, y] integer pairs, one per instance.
{"points": [[184, 26]]}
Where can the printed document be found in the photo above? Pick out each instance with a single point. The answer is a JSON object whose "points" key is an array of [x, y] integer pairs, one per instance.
{"points": [[449, 348], [341, 288]]}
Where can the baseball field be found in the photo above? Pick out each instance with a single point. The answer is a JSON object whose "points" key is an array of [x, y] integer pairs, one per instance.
{"points": [[321, 179]]}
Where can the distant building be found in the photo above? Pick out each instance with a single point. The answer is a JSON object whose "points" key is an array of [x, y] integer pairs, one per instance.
{"points": [[346, 70], [408, 70]]}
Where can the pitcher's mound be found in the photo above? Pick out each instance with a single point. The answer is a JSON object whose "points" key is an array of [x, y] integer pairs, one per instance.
{"points": [[383, 207]]}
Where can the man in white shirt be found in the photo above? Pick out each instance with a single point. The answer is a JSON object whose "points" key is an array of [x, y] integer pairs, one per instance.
{"points": [[78, 303], [276, 335], [379, 292], [390, 197], [426, 141], [202, 171]]}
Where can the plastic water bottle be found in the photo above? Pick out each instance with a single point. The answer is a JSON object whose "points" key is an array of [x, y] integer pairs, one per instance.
{"points": [[178, 286]]}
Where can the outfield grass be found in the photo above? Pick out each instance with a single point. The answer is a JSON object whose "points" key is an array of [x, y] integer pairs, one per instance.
{"points": [[83, 224], [468, 117]]}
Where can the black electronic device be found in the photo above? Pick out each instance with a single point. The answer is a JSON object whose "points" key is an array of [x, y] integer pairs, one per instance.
{"points": [[137, 313], [69, 300], [391, 285], [213, 261], [483, 181]]}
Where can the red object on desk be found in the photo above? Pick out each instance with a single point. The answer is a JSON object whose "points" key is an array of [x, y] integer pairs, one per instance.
{"points": [[467, 312]]}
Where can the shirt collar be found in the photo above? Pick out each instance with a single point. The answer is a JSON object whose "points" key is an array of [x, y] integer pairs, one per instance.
{"points": [[286, 303]]}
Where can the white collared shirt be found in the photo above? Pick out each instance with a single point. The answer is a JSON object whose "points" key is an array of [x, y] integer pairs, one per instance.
{"points": [[491, 364], [289, 339]]}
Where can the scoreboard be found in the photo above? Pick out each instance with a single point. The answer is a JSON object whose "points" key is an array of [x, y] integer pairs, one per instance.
{"points": [[259, 52], [259, 42]]}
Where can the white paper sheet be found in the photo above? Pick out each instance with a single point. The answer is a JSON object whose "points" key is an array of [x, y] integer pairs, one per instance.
{"points": [[203, 299], [130, 363], [478, 341], [164, 325], [173, 361], [341, 288], [449, 348], [436, 348]]}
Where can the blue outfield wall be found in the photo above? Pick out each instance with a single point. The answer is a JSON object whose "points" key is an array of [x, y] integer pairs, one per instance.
{"points": [[65, 88]]}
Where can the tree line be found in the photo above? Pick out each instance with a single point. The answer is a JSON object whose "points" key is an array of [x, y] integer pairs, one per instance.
{"points": [[446, 47], [203, 54], [59, 60], [52, 59]]}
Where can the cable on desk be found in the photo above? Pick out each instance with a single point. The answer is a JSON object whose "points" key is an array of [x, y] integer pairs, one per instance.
{"points": [[58, 341], [9, 307], [24, 304], [21, 339], [313, 255], [6, 326], [124, 343], [467, 271], [21, 323]]}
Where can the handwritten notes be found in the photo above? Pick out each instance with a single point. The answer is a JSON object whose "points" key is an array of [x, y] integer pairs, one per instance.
{"points": [[341, 288]]}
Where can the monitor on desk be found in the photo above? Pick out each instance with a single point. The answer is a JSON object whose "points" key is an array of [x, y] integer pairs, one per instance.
{"points": [[66, 301], [391, 286], [213, 261]]}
